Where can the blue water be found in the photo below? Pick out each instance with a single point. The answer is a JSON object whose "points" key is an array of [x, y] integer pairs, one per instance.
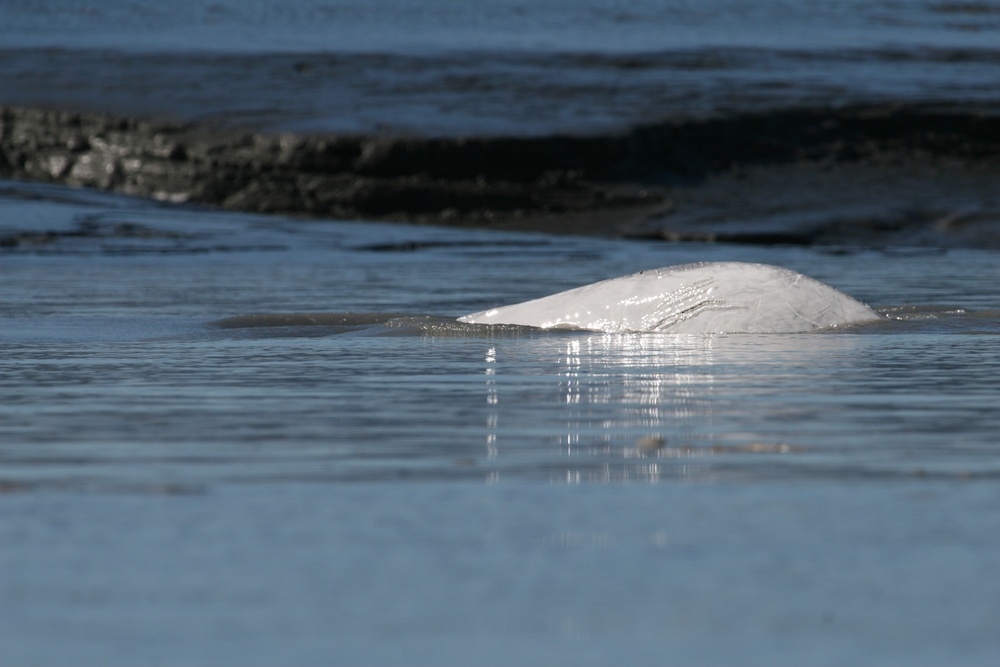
{"points": [[546, 25], [403, 489], [388, 486], [506, 67]]}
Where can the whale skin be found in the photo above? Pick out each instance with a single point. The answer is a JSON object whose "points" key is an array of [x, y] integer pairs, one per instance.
{"points": [[706, 297]]}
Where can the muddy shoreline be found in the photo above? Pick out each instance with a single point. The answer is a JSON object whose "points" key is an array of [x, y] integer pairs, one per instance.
{"points": [[872, 174]]}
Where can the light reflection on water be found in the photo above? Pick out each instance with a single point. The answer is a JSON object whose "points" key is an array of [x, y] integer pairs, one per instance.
{"points": [[640, 408], [652, 389], [110, 361], [429, 398], [376, 489]]}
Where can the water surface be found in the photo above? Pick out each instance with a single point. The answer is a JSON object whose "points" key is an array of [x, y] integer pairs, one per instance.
{"points": [[392, 486], [505, 67], [228, 439]]}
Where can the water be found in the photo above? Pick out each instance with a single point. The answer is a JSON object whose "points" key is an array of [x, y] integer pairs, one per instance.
{"points": [[550, 25], [228, 439], [506, 67], [396, 487]]}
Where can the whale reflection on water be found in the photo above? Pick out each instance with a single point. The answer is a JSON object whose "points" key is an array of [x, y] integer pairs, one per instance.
{"points": [[647, 408], [708, 297]]}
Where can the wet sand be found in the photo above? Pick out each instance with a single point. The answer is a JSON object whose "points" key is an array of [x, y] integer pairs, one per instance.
{"points": [[870, 175]]}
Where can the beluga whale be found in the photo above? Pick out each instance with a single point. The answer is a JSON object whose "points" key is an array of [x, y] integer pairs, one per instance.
{"points": [[702, 298]]}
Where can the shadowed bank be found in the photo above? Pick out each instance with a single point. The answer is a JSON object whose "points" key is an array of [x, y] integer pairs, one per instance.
{"points": [[903, 174]]}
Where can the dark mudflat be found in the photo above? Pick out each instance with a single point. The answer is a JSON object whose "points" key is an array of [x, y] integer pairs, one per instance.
{"points": [[871, 175]]}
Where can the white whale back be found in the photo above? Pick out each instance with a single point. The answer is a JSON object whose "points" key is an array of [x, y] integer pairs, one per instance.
{"points": [[708, 297]]}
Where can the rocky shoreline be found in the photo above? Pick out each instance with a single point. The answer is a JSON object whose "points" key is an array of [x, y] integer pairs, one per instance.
{"points": [[627, 183]]}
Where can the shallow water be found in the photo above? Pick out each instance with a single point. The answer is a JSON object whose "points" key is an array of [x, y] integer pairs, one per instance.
{"points": [[549, 25], [184, 484], [505, 67], [228, 439]]}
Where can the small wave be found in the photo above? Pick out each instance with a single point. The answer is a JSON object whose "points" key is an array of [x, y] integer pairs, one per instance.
{"points": [[903, 319], [335, 320], [965, 8], [385, 324], [934, 319]]}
